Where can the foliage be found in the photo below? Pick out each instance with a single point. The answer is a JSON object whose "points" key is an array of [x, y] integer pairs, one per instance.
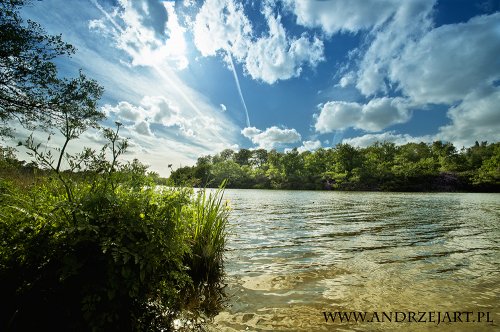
{"points": [[30, 88], [381, 166], [207, 225], [207, 221], [105, 249]]}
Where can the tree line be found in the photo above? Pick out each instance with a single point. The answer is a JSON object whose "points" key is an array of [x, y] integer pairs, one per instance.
{"points": [[382, 166]]}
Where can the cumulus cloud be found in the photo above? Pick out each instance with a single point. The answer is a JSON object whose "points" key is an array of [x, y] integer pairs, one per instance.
{"points": [[278, 57], [309, 145], [342, 15], [143, 128], [151, 110], [477, 117], [148, 30], [221, 26], [450, 61], [271, 137], [347, 79], [161, 110], [392, 137], [427, 64], [124, 111], [389, 25], [376, 115], [411, 21], [169, 132], [250, 132], [455, 65]]}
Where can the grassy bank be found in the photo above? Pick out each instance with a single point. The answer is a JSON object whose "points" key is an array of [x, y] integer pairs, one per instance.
{"points": [[107, 251]]}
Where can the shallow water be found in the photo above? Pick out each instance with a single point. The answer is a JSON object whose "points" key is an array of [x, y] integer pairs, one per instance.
{"points": [[296, 254]]}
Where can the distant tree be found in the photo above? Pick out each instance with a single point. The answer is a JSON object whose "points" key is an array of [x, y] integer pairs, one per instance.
{"points": [[293, 169], [183, 176], [378, 162], [227, 154], [489, 172], [476, 154], [380, 166], [315, 166], [447, 156], [242, 157], [414, 160], [275, 172], [232, 172], [259, 158], [202, 170]]}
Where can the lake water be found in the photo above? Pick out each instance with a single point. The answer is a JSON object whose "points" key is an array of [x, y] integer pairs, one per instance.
{"points": [[293, 255]]}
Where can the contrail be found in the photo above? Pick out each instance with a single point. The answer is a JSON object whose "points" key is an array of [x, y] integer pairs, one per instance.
{"points": [[238, 86], [116, 25]]}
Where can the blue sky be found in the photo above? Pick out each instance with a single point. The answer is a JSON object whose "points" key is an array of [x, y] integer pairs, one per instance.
{"points": [[182, 76]]}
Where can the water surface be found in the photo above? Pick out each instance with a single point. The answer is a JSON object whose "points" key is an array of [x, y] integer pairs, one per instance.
{"points": [[294, 254]]}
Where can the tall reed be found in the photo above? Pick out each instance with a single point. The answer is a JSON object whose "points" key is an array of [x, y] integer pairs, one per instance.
{"points": [[209, 233]]}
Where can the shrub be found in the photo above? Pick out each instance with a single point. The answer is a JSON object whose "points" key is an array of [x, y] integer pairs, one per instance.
{"points": [[108, 251]]}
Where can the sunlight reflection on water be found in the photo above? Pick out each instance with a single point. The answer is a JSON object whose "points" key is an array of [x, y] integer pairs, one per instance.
{"points": [[294, 254]]}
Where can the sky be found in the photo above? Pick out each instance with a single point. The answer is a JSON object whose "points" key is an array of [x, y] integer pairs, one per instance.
{"points": [[191, 78]]}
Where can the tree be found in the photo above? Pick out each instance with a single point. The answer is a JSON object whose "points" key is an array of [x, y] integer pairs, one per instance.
{"points": [[293, 168], [242, 157], [202, 170], [232, 172], [489, 172], [414, 160], [183, 176], [259, 158], [447, 156], [379, 159], [315, 165], [30, 89]]}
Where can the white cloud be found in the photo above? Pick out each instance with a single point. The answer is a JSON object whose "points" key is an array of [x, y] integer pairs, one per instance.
{"points": [[347, 79], [143, 128], [378, 114], [206, 129], [450, 61], [278, 57], [309, 146], [411, 21], [271, 137], [161, 110], [170, 133], [455, 65], [124, 111], [250, 132], [399, 139], [221, 25], [343, 15], [148, 30], [476, 118]]}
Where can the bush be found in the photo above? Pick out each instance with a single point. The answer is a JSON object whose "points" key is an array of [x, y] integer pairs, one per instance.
{"points": [[108, 251]]}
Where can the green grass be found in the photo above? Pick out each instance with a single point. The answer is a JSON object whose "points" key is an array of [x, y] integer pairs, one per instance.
{"points": [[209, 233]]}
